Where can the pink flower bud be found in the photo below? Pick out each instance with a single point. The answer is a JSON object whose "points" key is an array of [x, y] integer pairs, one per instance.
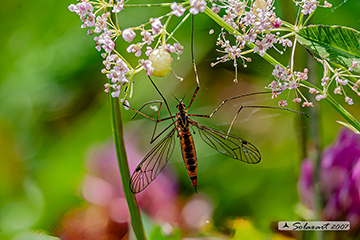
{"points": [[128, 35]]}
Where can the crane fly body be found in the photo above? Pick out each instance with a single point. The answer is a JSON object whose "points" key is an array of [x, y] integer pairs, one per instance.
{"points": [[225, 143], [188, 152]]}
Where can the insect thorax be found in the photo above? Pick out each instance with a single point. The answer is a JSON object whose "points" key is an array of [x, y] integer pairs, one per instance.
{"points": [[183, 120]]}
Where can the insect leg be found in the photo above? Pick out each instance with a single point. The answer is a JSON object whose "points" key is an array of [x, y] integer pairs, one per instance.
{"points": [[157, 120], [147, 103], [154, 138], [223, 102], [269, 107], [194, 64], [245, 106], [166, 104]]}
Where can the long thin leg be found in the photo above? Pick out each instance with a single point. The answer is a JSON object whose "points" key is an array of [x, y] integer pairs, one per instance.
{"points": [[147, 103], [193, 97], [157, 120], [246, 106], [154, 139], [151, 118], [166, 104], [270, 107], [226, 100], [194, 64]]}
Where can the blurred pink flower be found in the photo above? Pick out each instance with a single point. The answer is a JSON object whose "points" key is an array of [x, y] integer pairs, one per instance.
{"points": [[103, 184], [339, 179], [107, 213]]}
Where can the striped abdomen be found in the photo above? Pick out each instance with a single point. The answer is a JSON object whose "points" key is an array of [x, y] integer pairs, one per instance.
{"points": [[189, 156]]}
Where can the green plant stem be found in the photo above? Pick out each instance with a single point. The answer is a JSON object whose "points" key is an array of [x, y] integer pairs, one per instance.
{"points": [[117, 129]]}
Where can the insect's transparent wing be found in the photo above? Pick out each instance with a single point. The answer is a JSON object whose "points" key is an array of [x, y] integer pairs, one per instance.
{"points": [[153, 163], [231, 145]]}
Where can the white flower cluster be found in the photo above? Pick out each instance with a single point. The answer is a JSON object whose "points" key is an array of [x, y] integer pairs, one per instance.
{"points": [[252, 24], [285, 79], [154, 40], [342, 80]]}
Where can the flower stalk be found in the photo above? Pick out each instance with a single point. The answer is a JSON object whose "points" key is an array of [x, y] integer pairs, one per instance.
{"points": [[340, 109], [117, 130]]}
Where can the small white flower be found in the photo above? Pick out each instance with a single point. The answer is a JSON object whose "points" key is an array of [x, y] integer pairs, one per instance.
{"points": [[313, 91], [327, 4], [285, 42], [197, 6], [261, 47], [337, 90], [307, 104], [147, 37], [104, 41], [309, 6], [134, 48], [101, 22], [319, 97], [154, 107], [177, 10], [118, 6], [349, 100], [282, 103], [147, 64], [292, 85], [116, 92], [149, 50], [297, 100], [353, 65], [155, 25], [128, 35], [178, 48]]}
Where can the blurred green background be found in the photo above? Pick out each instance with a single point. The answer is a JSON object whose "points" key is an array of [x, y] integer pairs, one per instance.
{"points": [[53, 112]]}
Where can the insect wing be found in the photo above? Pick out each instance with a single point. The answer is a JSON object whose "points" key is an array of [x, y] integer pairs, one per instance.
{"points": [[231, 145], [153, 163]]}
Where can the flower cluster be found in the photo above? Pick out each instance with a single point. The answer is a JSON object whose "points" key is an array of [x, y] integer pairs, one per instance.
{"points": [[152, 45], [252, 25], [339, 180], [342, 79], [309, 6], [286, 79]]}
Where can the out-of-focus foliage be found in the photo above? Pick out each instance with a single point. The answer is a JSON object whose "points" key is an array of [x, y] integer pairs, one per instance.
{"points": [[53, 112]]}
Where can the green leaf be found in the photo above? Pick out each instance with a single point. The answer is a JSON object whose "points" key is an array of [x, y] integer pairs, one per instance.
{"points": [[337, 44], [349, 126]]}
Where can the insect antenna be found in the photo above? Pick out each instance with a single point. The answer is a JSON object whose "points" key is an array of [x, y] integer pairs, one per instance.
{"points": [[184, 97], [175, 97]]}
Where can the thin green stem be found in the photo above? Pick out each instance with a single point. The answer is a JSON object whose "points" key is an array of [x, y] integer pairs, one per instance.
{"points": [[149, 5], [117, 129], [178, 26]]}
